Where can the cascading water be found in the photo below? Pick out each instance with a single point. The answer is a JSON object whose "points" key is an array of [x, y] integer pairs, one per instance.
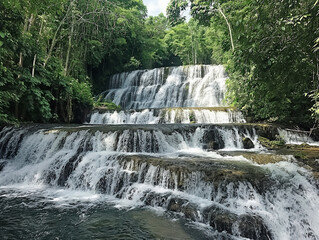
{"points": [[168, 115], [193, 171], [191, 94], [191, 86], [296, 137]]}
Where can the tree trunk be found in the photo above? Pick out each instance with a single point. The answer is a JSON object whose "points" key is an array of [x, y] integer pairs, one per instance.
{"points": [[69, 111], [229, 28], [54, 40], [25, 28], [67, 59], [35, 55]]}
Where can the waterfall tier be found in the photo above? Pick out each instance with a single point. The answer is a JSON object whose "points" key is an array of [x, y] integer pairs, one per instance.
{"points": [[129, 138], [190, 94], [166, 166], [168, 115], [174, 147], [297, 137], [189, 86]]}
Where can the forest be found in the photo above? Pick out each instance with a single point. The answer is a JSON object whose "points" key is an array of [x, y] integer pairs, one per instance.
{"points": [[56, 55]]}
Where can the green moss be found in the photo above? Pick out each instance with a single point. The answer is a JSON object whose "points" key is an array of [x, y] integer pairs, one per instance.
{"points": [[275, 144], [192, 118], [106, 105], [220, 109], [262, 158]]}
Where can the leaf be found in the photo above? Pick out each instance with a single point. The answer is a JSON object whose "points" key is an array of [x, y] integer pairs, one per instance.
{"points": [[1, 43], [2, 35]]}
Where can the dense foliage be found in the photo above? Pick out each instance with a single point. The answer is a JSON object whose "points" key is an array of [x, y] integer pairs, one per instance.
{"points": [[54, 55], [53, 52], [271, 53]]}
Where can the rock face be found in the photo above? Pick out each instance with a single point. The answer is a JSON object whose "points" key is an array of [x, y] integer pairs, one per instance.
{"points": [[183, 206], [253, 227], [248, 144], [247, 226], [221, 219]]}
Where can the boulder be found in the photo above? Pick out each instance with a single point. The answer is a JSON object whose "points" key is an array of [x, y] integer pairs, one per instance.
{"points": [[248, 144]]}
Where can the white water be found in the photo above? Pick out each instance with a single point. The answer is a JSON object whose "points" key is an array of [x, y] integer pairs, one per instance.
{"points": [[233, 139], [288, 206], [178, 88], [173, 115], [44, 155], [296, 137], [190, 86], [163, 165]]}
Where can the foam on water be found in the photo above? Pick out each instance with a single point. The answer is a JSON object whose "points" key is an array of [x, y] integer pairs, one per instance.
{"points": [[170, 115], [90, 166], [181, 168], [296, 137]]}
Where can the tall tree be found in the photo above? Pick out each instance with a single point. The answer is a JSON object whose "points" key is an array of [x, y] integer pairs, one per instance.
{"points": [[269, 54]]}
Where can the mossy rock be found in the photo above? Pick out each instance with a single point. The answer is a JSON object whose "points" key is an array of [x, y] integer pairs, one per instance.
{"points": [[264, 158], [305, 155], [272, 145]]}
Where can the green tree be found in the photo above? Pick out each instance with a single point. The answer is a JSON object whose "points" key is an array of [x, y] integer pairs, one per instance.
{"points": [[268, 48], [187, 41], [274, 65]]}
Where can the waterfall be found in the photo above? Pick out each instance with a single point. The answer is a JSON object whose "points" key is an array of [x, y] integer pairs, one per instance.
{"points": [[297, 137], [190, 86], [175, 146], [160, 168], [191, 94], [168, 115]]}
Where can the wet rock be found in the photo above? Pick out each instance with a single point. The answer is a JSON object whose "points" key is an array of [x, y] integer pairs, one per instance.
{"points": [[67, 170], [213, 139], [2, 165], [113, 185], [253, 227], [183, 206], [270, 144], [247, 226], [213, 145], [190, 211], [8, 150], [174, 205], [85, 146], [221, 219], [154, 199], [101, 185], [248, 144], [307, 156], [50, 177], [269, 131], [223, 222]]}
